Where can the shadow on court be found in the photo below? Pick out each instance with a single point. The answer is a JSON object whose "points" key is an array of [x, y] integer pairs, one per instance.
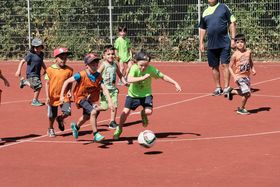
{"points": [[261, 109], [5, 140]]}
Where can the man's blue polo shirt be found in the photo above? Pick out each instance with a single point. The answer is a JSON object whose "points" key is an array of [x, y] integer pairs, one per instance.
{"points": [[216, 20]]}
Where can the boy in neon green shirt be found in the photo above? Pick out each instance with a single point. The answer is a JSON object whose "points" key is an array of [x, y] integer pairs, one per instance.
{"points": [[140, 90]]}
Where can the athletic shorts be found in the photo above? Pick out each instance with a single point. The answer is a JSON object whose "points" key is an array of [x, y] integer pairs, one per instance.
{"points": [[104, 102], [244, 85], [217, 56], [65, 109], [35, 83], [132, 103], [87, 106]]}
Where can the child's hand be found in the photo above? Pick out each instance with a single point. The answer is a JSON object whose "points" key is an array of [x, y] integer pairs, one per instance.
{"points": [[61, 99], [146, 76], [254, 72], [47, 100], [178, 87], [17, 74]]}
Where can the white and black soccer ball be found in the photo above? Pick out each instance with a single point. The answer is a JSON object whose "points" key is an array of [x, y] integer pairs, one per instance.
{"points": [[147, 138]]}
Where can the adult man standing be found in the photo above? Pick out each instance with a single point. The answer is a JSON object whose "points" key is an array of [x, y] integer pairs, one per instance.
{"points": [[216, 20]]}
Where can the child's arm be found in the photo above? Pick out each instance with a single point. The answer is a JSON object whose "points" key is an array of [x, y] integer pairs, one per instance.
{"points": [[6, 82], [131, 79], [18, 72], [101, 68], [231, 66], [47, 91], [44, 67], [170, 80], [120, 75], [65, 85], [252, 65], [107, 95]]}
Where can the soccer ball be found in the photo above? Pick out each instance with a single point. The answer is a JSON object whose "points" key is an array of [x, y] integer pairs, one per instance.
{"points": [[147, 138]]}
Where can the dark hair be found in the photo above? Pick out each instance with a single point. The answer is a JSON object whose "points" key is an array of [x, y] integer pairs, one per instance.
{"points": [[122, 28], [239, 37], [108, 47]]}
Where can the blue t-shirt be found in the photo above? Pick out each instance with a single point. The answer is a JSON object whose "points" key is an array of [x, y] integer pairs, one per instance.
{"points": [[216, 20], [34, 64]]}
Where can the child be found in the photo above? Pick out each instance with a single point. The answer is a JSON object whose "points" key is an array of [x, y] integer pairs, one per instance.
{"points": [[34, 60], [240, 66], [140, 89], [6, 83], [86, 94], [109, 69], [55, 77], [123, 51]]}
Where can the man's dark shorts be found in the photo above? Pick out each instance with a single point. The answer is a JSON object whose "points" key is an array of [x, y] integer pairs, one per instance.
{"points": [[217, 56], [65, 109], [132, 103]]}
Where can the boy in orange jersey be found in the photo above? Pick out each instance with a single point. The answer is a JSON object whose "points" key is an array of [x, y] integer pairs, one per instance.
{"points": [[241, 64], [6, 82], [86, 94], [56, 74]]}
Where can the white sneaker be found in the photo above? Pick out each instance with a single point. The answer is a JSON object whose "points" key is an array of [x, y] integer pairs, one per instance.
{"points": [[51, 133]]}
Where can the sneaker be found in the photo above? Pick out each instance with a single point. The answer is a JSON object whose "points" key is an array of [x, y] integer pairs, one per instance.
{"points": [[98, 137], [144, 117], [36, 102], [228, 93], [113, 125], [218, 91], [22, 83], [51, 133], [75, 131], [242, 111], [117, 133], [60, 122]]}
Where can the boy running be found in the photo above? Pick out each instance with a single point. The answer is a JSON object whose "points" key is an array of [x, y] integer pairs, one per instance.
{"points": [[241, 64], [56, 74], [86, 95], [140, 90]]}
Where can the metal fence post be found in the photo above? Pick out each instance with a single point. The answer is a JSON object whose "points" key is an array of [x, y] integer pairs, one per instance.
{"points": [[29, 26], [110, 21], [199, 14]]}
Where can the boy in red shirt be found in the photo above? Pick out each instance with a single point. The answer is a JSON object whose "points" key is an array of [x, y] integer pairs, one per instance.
{"points": [[55, 76]]}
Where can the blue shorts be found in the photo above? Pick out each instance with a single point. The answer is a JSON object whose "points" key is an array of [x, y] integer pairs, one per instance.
{"points": [[65, 109], [217, 56], [87, 106], [132, 103]]}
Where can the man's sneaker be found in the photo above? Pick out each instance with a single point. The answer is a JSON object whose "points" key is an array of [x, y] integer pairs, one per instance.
{"points": [[228, 93], [60, 122], [36, 102], [22, 83], [218, 91], [113, 125], [75, 131], [51, 133], [117, 133], [242, 111], [144, 117], [98, 137]]}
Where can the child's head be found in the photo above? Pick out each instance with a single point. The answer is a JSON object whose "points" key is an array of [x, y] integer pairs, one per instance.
{"points": [[240, 41], [37, 45], [91, 60], [143, 59], [109, 53], [122, 30], [61, 55]]}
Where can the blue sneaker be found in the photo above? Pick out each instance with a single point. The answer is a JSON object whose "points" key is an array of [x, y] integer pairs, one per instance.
{"points": [[98, 137], [36, 102], [75, 131]]}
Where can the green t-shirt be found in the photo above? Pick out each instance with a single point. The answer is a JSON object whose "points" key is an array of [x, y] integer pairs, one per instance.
{"points": [[142, 88], [123, 46]]}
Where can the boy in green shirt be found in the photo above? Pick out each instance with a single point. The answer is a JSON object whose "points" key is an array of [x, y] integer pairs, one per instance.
{"points": [[140, 89], [123, 51]]}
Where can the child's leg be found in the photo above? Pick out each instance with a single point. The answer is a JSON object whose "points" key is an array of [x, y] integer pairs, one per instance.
{"points": [[36, 94], [93, 120], [82, 120], [130, 63], [244, 100], [114, 114], [52, 113], [121, 64], [123, 117]]}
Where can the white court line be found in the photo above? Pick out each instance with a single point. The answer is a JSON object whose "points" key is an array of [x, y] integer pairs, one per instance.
{"points": [[167, 105], [167, 140]]}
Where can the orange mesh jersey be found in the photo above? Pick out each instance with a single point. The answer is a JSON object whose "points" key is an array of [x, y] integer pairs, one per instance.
{"points": [[56, 77], [241, 63], [87, 89]]}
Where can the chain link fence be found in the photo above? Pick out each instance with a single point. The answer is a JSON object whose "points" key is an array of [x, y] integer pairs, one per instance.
{"points": [[168, 29]]}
